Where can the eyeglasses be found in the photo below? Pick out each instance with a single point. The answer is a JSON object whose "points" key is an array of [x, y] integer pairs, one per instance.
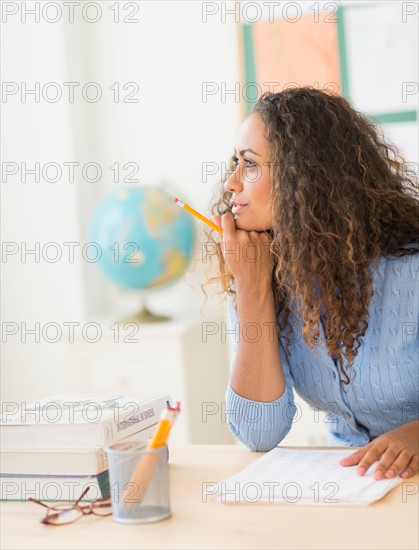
{"points": [[62, 514]]}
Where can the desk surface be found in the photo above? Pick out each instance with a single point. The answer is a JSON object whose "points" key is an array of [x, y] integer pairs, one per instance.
{"points": [[389, 523]]}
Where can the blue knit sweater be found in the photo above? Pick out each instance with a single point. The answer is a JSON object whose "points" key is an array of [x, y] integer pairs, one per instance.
{"points": [[383, 392]]}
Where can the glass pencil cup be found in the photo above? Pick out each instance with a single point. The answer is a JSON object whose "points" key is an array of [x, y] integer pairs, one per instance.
{"points": [[139, 482]]}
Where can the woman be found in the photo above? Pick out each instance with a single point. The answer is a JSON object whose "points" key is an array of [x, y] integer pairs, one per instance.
{"points": [[319, 258]]}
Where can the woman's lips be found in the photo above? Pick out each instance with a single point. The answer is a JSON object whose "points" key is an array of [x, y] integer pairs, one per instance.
{"points": [[238, 208]]}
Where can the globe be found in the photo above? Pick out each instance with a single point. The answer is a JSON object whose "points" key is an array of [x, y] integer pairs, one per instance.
{"points": [[146, 240]]}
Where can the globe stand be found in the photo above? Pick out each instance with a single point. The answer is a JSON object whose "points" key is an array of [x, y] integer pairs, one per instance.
{"points": [[144, 315]]}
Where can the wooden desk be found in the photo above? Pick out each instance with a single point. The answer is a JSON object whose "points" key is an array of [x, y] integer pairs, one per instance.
{"points": [[389, 523]]}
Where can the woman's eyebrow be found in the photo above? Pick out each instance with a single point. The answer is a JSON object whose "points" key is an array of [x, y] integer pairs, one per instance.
{"points": [[243, 151]]}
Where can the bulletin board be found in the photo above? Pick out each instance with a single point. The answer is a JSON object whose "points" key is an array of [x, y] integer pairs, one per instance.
{"points": [[367, 52]]}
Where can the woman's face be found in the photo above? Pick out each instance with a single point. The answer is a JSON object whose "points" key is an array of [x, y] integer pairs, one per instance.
{"points": [[251, 182]]}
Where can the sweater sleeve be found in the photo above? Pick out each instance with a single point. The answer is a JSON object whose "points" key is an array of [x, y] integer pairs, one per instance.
{"points": [[261, 426]]}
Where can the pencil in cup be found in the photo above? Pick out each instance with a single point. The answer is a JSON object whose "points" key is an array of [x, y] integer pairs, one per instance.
{"points": [[197, 215], [137, 487]]}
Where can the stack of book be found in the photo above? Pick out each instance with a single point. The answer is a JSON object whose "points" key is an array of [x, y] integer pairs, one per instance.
{"points": [[53, 449]]}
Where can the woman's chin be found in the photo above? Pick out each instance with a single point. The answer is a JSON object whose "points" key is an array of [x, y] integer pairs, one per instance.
{"points": [[248, 226], [240, 224]]}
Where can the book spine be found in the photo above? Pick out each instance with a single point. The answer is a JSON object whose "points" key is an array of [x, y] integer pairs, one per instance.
{"points": [[88, 462], [131, 418], [101, 461], [60, 463], [54, 488]]}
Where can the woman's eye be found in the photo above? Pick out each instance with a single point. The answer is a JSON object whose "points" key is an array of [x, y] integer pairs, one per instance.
{"points": [[249, 163]]}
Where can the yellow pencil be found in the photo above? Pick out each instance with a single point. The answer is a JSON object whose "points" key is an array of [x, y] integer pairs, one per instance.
{"points": [[161, 433], [198, 215], [136, 489]]}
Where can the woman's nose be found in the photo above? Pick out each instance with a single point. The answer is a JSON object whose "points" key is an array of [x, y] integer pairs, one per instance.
{"points": [[233, 183]]}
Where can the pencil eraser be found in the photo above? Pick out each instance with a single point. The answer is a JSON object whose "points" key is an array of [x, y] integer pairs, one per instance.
{"points": [[175, 199]]}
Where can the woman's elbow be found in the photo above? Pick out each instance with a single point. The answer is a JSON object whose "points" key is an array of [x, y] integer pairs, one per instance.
{"points": [[260, 440]]}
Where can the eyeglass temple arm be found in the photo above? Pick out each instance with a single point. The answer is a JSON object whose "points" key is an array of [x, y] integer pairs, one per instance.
{"points": [[81, 496], [49, 507], [38, 502]]}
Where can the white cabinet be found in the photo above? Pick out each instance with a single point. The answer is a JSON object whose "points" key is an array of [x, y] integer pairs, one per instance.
{"points": [[148, 359]]}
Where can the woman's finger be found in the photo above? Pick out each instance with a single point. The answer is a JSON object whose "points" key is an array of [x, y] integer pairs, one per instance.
{"points": [[354, 458], [388, 459], [412, 468], [398, 464], [229, 239], [217, 220], [228, 225], [371, 456]]}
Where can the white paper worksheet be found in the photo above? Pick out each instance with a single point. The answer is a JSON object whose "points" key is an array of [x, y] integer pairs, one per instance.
{"points": [[303, 477]]}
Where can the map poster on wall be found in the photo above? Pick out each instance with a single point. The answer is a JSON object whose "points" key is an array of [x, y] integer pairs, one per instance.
{"points": [[364, 51]]}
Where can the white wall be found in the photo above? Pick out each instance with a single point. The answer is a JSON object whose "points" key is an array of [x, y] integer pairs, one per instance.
{"points": [[34, 290], [169, 133]]}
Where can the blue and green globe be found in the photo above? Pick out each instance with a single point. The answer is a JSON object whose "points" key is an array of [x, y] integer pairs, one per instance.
{"points": [[146, 240]]}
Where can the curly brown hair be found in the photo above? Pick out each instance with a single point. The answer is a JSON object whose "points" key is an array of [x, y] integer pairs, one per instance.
{"points": [[342, 197]]}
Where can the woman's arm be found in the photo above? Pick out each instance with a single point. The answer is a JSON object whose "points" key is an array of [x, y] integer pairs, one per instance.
{"points": [[257, 370], [259, 399], [261, 425]]}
